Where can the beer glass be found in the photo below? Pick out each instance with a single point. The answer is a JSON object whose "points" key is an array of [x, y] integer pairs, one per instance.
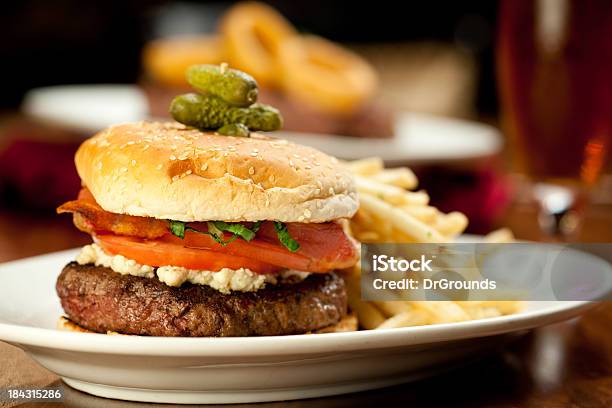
{"points": [[554, 63]]}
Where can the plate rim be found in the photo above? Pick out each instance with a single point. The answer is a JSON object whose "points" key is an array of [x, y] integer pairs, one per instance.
{"points": [[280, 345]]}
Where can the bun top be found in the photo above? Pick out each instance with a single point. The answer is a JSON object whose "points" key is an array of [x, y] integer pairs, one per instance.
{"points": [[169, 171]]}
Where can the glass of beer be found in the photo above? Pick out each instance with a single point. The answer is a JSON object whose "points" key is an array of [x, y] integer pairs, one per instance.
{"points": [[554, 63]]}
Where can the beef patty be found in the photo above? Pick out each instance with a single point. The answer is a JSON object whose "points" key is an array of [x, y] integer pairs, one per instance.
{"points": [[101, 300]]}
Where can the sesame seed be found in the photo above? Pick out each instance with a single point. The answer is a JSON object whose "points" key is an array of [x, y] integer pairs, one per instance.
{"points": [[331, 190], [254, 154], [297, 156], [188, 172], [318, 191], [267, 202], [159, 166], [124, 169], [133, 162], [145, 147], [173, 157], [307, 213], [300, 218], [308, 167], [204, 167], [251, 171], [291, 163], [131, 142], [174, 178]]}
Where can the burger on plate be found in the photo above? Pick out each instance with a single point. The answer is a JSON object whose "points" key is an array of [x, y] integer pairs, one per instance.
{"points": [[198, 234]]}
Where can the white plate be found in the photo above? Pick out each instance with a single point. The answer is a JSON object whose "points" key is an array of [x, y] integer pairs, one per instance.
{"points": [[419, 138], [231, 370], [87, 108]]}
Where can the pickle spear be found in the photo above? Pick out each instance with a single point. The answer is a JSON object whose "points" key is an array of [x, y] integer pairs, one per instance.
{"points": [[232, 86], [234, 129], [211, 112]]}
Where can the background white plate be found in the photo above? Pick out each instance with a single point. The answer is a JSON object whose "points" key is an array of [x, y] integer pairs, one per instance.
{"points": [[418, 137], [226, 370], [87, 108]]}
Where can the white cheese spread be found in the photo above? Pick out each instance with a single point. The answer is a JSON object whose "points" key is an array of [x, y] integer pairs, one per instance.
{"points": [[225, 280]]}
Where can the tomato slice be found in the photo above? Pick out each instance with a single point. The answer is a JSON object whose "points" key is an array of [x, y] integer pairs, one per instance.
{"points": [[323, 247], [160, 252]]}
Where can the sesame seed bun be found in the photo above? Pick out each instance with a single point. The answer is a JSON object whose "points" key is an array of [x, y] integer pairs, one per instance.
{"points": [[168, 171]]}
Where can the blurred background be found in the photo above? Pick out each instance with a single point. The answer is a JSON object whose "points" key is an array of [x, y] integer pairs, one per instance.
{"points": [[473, 96]]}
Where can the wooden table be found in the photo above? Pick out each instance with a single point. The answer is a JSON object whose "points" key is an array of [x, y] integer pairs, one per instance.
{"points": [[564, 365]]}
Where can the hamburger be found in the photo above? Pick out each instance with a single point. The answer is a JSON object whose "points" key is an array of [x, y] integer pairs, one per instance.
{"points": [[199, 234]]}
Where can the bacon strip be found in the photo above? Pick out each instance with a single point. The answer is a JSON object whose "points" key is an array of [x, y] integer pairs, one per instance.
{"points": [[89, 217]]}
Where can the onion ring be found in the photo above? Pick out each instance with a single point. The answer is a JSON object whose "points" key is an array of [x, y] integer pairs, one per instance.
{"points": [[253, 34], [167, 59], [325, 76]]}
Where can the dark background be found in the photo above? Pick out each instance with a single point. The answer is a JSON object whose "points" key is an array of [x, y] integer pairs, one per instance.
{"points": [[96, 41]]}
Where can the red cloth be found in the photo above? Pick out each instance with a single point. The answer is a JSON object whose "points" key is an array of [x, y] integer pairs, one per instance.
{"points": [[36, 172]]}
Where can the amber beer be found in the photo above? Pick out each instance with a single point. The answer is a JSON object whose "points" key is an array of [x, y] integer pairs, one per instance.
{"points": [[555, 74]]}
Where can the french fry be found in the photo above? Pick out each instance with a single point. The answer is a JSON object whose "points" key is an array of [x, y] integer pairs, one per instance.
{"points": [[369, 317], [404, 222], [442, 311], [451, 224], [400, 177], [368, 236], [391, 194], [366, 167], [500, 236], [393, 308], [426, 214], [405, 319]]}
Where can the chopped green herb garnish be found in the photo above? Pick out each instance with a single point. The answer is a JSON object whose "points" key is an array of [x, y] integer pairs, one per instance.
{"points": [[235, 228], [215, 230], [217, 234], [256, 225], [285, 238], [177, 228]]}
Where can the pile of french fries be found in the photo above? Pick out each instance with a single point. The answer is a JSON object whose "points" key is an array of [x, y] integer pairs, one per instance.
{"points": [[391, 211]]}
